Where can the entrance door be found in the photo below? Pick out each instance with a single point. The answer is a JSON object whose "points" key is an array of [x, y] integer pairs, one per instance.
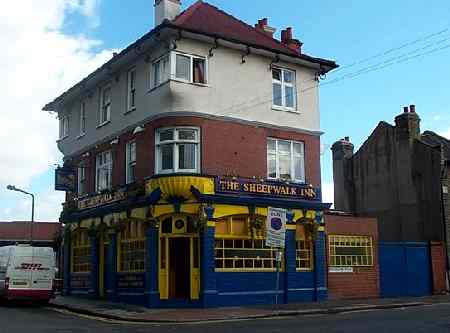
{"points": [[180, 268]]}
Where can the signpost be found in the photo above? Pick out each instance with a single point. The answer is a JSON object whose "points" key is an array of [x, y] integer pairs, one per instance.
{"points": [[275, 237]]}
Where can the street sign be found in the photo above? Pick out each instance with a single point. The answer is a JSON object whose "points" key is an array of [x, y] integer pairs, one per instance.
{"points": [[276, 227]]}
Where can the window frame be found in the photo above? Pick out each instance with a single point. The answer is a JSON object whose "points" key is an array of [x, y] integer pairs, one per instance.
{"points": [[63, 127], [284, 85], [173, 67], [130, 163], [334, 238], [175, 142], [131, 89], [303, 236], [125, 238], [108, 186], [292, 156], [164, 77], [80, 242], [108, 105], [82, 128], [81, 179]]}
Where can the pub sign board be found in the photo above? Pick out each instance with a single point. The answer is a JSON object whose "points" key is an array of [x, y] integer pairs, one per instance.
{"points": [[276, 227], [65, 180], [267, 188]]}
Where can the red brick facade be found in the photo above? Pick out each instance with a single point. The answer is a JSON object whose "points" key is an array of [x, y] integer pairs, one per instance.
{"points": [[438, 265], [227, 148], [364, 281]]}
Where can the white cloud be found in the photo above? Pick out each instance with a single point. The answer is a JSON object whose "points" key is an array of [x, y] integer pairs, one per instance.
{"points": [[328, 193], [38, 62], [446, 134]]}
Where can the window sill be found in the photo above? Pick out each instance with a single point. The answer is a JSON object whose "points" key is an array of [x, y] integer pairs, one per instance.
{"points": [[282, 108], [130, 110], [296, 182], [158, 86], [80, 136], [103, 124], [191, 83], [62, 139]]}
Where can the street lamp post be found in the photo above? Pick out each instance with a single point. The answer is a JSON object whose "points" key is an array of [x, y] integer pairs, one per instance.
{"points": [[13, 188]]}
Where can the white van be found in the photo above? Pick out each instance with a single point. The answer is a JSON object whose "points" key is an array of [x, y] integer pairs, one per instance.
{"points": [[27, 272]]}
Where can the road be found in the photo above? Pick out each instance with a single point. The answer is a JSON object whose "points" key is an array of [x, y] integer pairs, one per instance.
{"points": [[435, 318]]}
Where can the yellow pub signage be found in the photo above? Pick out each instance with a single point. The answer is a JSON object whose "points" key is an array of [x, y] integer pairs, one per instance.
{"points": [[267, 188], [101, 199]]}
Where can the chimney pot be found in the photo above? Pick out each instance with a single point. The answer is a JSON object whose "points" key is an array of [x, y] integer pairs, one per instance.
{"points": [[405, 109], [263, 26], [412, 108], [289, 33], [166, 10], [347, 138]]}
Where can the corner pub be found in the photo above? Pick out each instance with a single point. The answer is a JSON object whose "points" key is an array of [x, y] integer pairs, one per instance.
{"points": [[167, 201]]}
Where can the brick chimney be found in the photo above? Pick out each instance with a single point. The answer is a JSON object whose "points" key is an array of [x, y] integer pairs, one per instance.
{"points": [[288, 40], [407, 124], [263, 26], [166, 9], [343, 175]]}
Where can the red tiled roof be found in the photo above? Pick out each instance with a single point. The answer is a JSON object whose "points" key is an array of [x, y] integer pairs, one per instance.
{"points": [[206, 19], [42, 231]]}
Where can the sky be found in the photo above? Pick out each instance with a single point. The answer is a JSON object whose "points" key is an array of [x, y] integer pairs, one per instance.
{"points": [[392, 54]]}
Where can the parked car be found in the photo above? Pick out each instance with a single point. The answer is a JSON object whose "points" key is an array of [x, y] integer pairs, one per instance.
{"points": [[27, 273]]}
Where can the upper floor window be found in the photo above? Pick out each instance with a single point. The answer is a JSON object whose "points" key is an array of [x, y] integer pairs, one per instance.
{"points": [[284, 92], [285, 160], [82, 118], [103, 171], [131, 162], [189, 68], [63, 127], [160, 71], [81, 179], [131, 84], [105, 105], [177, 150]]}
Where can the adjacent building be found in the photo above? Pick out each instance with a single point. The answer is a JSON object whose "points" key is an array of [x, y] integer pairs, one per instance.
{"points": [[181, 143], [399, 176]]}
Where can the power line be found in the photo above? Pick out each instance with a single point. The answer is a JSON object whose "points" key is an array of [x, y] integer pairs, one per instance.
{"points": [[391, 50]]}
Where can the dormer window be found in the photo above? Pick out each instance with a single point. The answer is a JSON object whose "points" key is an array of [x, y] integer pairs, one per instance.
{"points": [[189, 68], [284, 92]]}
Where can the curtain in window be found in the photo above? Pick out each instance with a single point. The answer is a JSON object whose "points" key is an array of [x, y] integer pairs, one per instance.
{"points": [[199, 70]]}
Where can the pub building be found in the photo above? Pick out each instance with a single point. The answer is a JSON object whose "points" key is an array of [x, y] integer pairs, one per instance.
{"points": [[167, 199]]}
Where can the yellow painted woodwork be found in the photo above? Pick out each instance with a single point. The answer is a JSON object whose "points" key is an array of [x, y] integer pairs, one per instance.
{"points": [[164, 268], [211, 224], [291, 227], [228, 210], [321, 229], [195, 268], [180, 185], [139, 213], [261, 211]]}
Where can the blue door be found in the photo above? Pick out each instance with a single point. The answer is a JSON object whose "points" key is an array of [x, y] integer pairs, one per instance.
{"points": [[405, 269]]}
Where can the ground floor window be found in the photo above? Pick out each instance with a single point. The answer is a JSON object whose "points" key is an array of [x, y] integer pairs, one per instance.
{"points": [[240, 246], [350, 250], [304, 249], [81, 252], [131, 254]]}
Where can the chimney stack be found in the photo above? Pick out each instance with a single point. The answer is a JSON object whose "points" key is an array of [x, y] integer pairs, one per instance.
{"points": [[263, 26], [407, 124], [343, 174], [166, 10], [288, 40]]}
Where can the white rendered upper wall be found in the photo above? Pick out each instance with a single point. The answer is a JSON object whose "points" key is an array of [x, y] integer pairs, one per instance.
{"points": [[234, 90]]}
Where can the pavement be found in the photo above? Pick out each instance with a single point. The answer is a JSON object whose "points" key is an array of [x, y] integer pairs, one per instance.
{"points": [[137, 314]]}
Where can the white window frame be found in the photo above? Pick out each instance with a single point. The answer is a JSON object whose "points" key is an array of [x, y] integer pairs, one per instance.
{"points": [[131, 89], [163, 76], [283, 89], [293, 155], [175, 142], [82, 118], [81, 177], [173, 65], [103, 105], [105, 166], [130, 163], [63, 127]]}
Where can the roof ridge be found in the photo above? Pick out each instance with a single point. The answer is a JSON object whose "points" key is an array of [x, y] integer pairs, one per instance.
{"points": [[248, 26], [438, 135], [185, 14]]}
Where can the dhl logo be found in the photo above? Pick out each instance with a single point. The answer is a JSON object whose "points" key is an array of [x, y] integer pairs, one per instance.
{"points": [[32, 267]]}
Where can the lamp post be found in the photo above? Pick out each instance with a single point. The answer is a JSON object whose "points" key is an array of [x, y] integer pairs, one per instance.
{"points": [[13, 188]]}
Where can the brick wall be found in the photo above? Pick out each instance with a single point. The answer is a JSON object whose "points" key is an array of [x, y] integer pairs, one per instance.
{"points": [[226, 148], [438, 265], [364, 281]]}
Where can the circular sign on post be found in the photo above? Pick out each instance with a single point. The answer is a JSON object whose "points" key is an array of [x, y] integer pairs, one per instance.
{"points": [[276, 223]]}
